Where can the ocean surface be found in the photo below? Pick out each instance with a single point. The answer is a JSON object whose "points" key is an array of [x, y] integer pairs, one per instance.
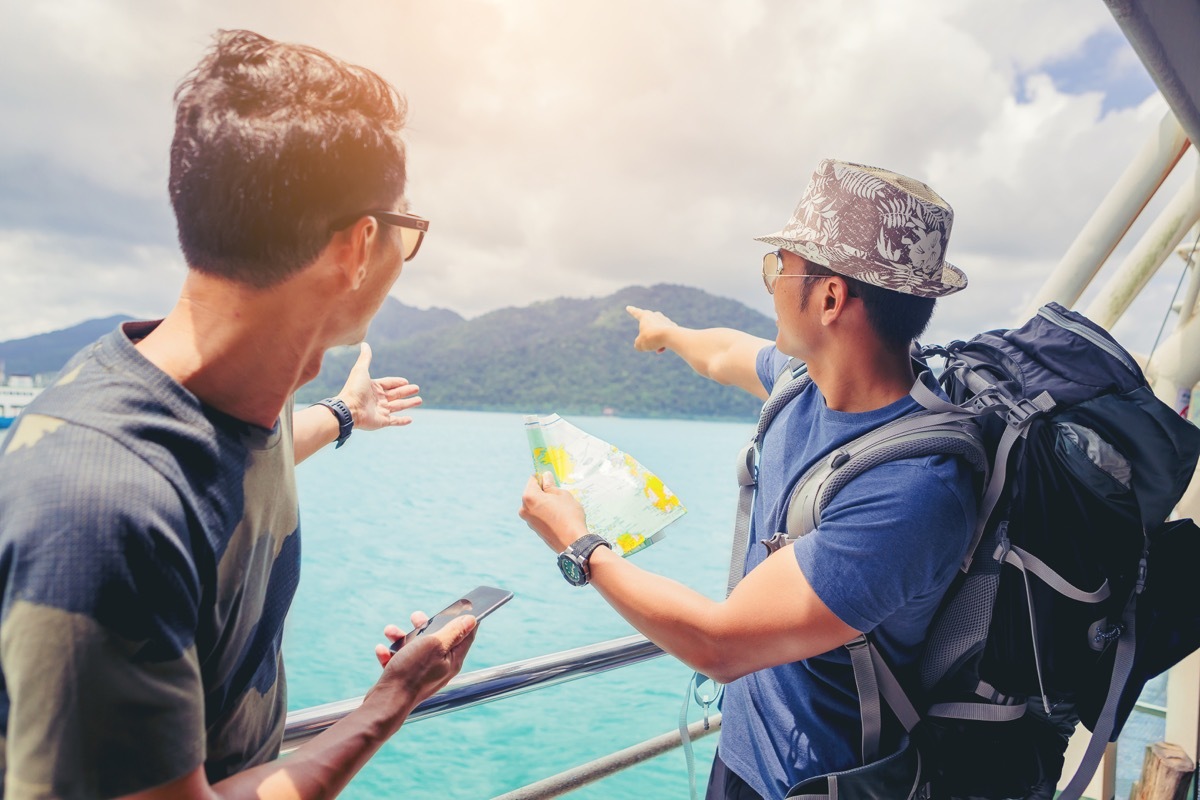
{"points": [[412, 518]]}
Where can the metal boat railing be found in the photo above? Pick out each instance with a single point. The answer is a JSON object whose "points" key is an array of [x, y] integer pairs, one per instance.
{"points": [[486, 685], [507, 680]]}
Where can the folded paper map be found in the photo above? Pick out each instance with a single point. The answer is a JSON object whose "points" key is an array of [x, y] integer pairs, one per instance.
{"points": [[625, 502]]}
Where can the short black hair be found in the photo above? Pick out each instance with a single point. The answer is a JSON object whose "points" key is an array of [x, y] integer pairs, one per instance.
{"points": [[897, 318], [273, 142]]}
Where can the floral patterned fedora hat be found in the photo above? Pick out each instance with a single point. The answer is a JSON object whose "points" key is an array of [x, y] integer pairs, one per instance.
{"points": [[876, 226]]}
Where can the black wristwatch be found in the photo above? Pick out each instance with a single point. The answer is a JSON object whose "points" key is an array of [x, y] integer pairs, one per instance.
{"points": [[344, 417], [573, 562]]}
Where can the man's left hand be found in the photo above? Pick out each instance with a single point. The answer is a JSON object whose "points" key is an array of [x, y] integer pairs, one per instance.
{"points": [[374, 401], [552, 513]]}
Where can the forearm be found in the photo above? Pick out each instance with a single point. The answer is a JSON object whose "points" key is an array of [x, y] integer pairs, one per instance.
{"points": [[324, 766], [773, 616], [673, 616], [724, 355], [312, 428]]}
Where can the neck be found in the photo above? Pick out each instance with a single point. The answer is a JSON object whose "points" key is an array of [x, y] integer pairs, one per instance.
{"points": [[241, 350], [857, 376]]}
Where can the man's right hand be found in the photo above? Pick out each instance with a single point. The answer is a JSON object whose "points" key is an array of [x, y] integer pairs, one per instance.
{"points": [[653, 328], [421, 667], [725, 355]]}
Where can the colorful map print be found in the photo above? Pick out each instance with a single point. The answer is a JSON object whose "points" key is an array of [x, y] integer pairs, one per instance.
{"points": [[625, 502]]}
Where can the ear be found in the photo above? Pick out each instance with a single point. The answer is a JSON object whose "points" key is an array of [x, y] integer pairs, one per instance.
{"points": [[834, 296], [350, 249]]}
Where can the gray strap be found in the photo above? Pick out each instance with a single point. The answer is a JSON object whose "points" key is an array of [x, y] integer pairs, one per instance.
{"points": [[791, 382], [868, 697], [782, 393], [893, 692], [995, 487], [1037, 647], [994, 695], [831, 794], [741, 523], [1017, 557], [999, 707], [981, 712], [1028, 562], [819, 492], [934, 402], [922, 433], [1102, 733]]}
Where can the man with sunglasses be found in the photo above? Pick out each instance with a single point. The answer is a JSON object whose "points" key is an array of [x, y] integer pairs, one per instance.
{"points": [[854, 280], [149, 526]]}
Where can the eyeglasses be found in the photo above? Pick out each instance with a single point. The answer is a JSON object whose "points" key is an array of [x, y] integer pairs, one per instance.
{"points": [[412, 228], [773, 269]]}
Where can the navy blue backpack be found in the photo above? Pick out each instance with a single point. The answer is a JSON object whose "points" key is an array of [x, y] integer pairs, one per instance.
{"points": [[1076, 589]]}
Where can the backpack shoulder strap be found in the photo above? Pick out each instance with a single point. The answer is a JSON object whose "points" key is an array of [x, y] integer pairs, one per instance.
{"points": [[941, 428], [920, 434], [790, 382]]}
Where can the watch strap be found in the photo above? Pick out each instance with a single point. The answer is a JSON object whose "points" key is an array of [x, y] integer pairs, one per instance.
{"points": [[582, 548], [344, 417]]}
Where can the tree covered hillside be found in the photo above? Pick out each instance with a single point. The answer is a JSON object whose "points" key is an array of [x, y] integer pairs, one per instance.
{"points": [[565, 355]]}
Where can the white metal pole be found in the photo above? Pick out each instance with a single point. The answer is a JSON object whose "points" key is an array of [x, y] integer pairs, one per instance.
{"points": [[1116, 213], [1187, 251], [1148, 254]]}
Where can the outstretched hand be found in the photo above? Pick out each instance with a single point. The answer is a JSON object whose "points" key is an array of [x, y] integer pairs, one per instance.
{"points": [[553, 513], [374, 401], [653, 328]]}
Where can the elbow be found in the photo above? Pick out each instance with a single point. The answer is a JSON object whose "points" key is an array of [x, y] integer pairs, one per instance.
{"points": [[715, 369], [722, 673], [716, 660]]}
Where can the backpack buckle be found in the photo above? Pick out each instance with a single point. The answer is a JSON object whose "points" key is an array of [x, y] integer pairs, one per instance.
{"points": [[775, 542], [1025, 409], [986, 400], [1020, 412], [1003, 544]]}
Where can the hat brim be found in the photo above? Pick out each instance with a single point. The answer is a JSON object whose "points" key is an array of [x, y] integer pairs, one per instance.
{"points": [[864, 271]]}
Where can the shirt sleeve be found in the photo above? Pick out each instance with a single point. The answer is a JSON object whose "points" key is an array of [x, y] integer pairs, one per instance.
{"points": [[769, 364], [100, 609], [891, 537]]}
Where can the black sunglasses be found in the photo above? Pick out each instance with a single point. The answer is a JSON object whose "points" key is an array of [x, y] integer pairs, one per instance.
{"points": [[412, 227]]}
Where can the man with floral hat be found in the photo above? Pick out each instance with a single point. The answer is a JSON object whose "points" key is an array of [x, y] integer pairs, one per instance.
{"points": [[855, 277]]}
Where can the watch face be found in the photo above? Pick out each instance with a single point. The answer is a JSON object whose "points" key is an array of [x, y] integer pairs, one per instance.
{"points": [[571, 570]]}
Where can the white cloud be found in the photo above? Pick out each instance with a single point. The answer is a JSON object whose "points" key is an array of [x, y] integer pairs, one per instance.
{"points": [[573, 148], [64, 280]]}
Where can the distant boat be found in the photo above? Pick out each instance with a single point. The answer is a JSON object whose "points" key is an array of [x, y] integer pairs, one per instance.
{"points": [[16, 392]]}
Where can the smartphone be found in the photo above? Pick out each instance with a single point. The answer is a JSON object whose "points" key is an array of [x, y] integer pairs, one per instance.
{"points": [[479, 602]]}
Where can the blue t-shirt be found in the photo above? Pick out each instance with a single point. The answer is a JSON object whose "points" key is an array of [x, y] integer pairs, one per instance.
{"points": [[884, 554]]}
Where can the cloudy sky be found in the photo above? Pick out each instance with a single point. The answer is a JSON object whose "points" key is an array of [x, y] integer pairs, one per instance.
{"points": [[572, 148]]}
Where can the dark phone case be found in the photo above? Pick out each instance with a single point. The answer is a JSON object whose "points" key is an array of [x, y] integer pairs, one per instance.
{"points": [[480, 601]]}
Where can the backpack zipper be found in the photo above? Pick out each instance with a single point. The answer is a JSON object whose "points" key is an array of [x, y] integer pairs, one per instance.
{"points": [[1104, 344]]}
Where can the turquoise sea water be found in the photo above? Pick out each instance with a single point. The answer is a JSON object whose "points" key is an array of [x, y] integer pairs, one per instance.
{"points": [[412, 518]]}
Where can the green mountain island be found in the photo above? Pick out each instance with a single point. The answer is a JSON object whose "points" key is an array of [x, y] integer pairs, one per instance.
{"points": [[568, 356]]}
